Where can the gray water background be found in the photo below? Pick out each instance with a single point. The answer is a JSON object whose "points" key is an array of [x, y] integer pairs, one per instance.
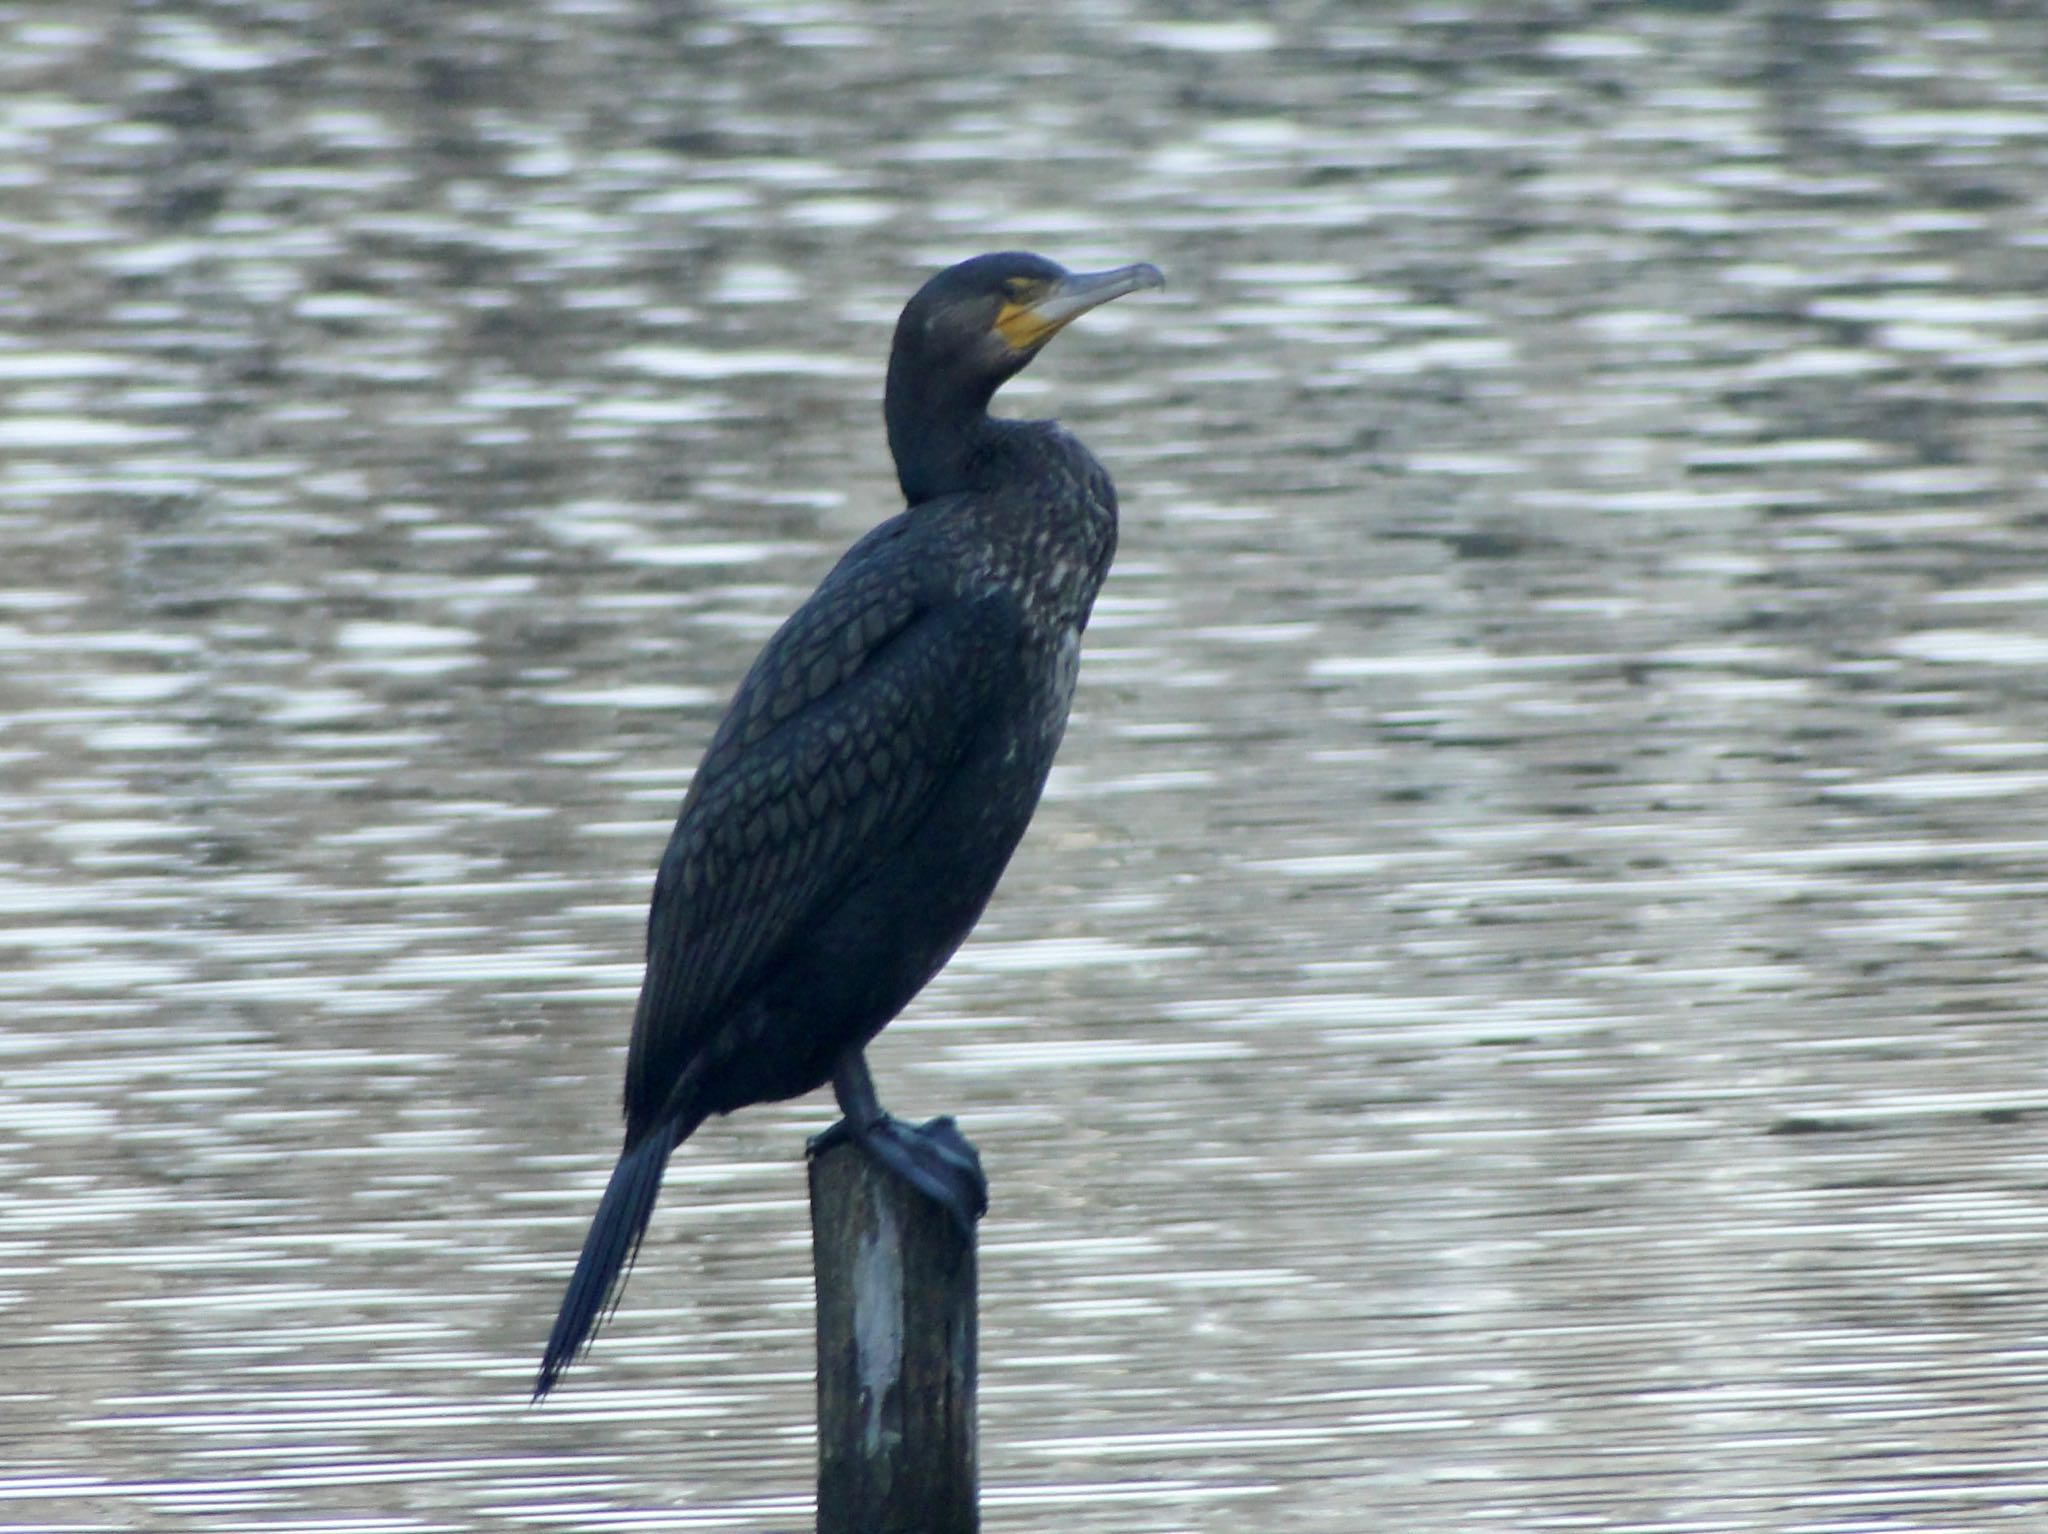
{"points": [[1522, 1006]]}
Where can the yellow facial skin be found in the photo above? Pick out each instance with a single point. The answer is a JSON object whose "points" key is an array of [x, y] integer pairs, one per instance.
{"points": [[1035, 309], [1019, 323]]}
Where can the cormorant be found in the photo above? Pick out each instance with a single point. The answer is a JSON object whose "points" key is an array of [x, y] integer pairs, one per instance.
{"points": [[876, 768]]}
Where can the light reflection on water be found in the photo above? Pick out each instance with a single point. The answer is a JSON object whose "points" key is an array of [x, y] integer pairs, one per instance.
{"points": [[1516, 1010]]}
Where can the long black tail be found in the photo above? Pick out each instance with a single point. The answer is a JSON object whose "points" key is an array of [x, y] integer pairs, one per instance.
{"points": [[608, 1251]]}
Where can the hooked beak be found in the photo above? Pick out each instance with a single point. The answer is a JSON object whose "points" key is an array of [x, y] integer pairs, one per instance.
{"points": [[1027, 326]]}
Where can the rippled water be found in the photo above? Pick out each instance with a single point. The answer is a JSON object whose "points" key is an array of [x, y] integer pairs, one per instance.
{"points": [[1522, 1007]]}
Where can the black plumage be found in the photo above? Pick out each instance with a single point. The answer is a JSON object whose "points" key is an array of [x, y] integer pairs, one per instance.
{"points": [[876, 769]]}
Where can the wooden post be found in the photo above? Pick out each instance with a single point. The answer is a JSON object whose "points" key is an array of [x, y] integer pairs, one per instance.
{"points": [[896, 1339]]}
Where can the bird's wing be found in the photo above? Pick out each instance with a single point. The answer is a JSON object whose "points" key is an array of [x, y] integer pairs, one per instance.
{"points": [[842, 732]]}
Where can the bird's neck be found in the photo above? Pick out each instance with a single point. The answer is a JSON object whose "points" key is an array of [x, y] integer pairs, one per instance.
{"points": [[943, 439]]}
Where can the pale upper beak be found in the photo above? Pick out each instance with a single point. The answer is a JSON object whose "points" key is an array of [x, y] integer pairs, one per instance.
{"points": [[1026, 327]]}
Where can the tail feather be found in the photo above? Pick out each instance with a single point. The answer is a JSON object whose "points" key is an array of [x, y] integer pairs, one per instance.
{"points": [[608, 1252]]}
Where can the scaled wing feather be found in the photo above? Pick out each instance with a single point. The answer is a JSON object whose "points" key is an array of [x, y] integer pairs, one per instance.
{"points": [[841, 733]]}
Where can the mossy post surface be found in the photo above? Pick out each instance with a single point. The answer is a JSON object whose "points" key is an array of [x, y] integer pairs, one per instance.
{"points": [[896, 1344]]}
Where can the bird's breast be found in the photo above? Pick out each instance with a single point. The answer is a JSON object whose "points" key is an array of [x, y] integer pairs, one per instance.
{"points": [[1057, 565]]}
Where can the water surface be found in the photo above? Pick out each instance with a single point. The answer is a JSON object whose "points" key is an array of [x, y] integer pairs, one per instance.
{"points": [[1521, 1007]]}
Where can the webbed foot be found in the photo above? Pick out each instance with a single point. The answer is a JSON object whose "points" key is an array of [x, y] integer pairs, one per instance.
{"points": [[934, 1158]]}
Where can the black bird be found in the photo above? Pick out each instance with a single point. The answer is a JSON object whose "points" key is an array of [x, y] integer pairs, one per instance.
{"points": [[875, 771]]}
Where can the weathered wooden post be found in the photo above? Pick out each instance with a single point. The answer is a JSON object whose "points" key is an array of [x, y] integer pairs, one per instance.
{"points": [[896, 1341]]}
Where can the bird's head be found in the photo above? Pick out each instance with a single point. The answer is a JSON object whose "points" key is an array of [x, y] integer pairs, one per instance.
{"points": [[977, 324]]}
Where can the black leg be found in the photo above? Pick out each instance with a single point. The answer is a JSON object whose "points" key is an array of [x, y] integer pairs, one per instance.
{"points": [[935, 1158]]}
